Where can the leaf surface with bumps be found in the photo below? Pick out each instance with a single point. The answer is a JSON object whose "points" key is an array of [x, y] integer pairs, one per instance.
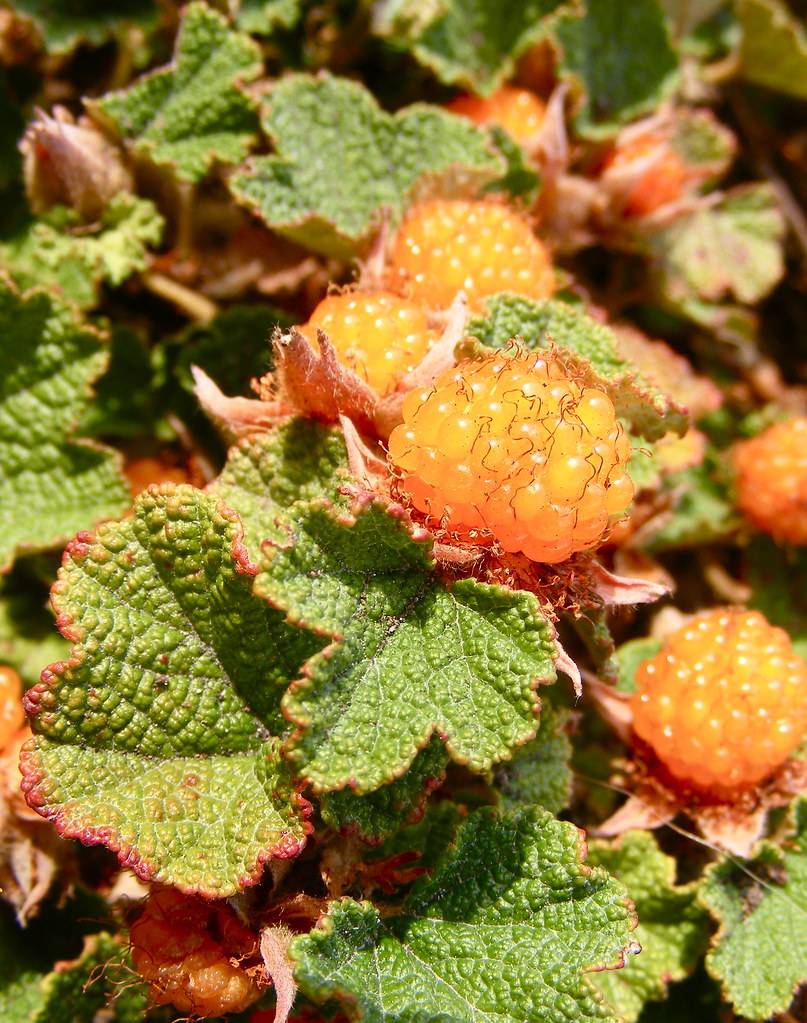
{"points": [[52, 485], [339, 159], [649, 411], [503, 930], [409, 656], [540, 772], [156, 737], [64, 24], [192, 112]]}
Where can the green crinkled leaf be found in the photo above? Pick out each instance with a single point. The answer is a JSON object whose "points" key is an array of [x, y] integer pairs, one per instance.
{"points": [[192, 112], [265, 474], [503, 930], [773, 47], [621, 55], [53, 251], [472, 43], [760, 951], [65, 24], [155, 738], [649, 412], [673, 929], [731, 249], [339, 159], [379, 813], [776, 577], [429, 838], [521, 180], [264, 16], [539, 771], [701, 511], [410, 656], [50, 485]]}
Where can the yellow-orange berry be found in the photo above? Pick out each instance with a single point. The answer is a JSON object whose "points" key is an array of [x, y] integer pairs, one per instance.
{"points": [[12, 716], [380, 336], [662, 182], [514, 448], [481, 248], [722, 704], [771, 479], [519, 111], [195, 955]]}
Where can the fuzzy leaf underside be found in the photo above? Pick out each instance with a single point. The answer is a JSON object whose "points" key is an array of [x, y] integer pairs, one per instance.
{"points": [[760, 951], [192, 112], [773, 47], [175, 662], [74, 263], [673, 929], [733, 249], [650, 412], [409, 657], [502, 930], [265, 474], [621, 56], [472, 44], [339, 159], [65, 24], [539, 772], [50, 485]]}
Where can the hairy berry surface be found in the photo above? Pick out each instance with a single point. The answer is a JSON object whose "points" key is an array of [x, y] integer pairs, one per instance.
{"points": [[722, 704], [380, 336], [517, 449], [519, 111], [771, 479], [481, 248]]}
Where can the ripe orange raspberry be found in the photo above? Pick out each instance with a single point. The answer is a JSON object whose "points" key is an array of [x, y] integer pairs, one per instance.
{"points": [[380, 336], [663, 181], [519, 111], [12, 716], [722, 704], [195, 955], [517, 449], [480, 247], [771, 480]]}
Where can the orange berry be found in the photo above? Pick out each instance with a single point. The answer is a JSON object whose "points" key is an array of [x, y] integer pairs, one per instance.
{"points": [[663, 181], [519, 111], [380, 336], [517, 449], [195, 955], [12, 716], [141, 472], [722, 704], [481, 248], [771, 480]]}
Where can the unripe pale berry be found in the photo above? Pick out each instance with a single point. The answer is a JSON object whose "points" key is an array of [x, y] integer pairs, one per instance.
{"points": [[722, 704], [514, 448]]}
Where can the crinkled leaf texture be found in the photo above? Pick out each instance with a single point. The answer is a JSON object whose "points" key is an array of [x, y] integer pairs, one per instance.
{"points": [[650, 412], [156, 738], [192, 112], [50, 484], [540, 771], [64, 24], [339, 159], [673, 929], [503, 930], [473, 43], [760, 951], [410, 656]]}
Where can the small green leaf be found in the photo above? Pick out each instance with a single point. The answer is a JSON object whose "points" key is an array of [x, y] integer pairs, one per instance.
{"points": [[701, 511], [340, 159], [673, 929], [64, 24], [473, 43], [539, 771], [52, 485], [410, 656], [379, 813], [731, 249], [264, 16], [53, 251], [649, 412], [192, 112], [504, 930], [773, 47], [622, 57], [264, 475], [155, 738], [759, 953]]}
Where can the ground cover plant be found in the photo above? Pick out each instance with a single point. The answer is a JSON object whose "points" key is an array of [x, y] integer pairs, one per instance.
{"points": [[403, 511]]}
